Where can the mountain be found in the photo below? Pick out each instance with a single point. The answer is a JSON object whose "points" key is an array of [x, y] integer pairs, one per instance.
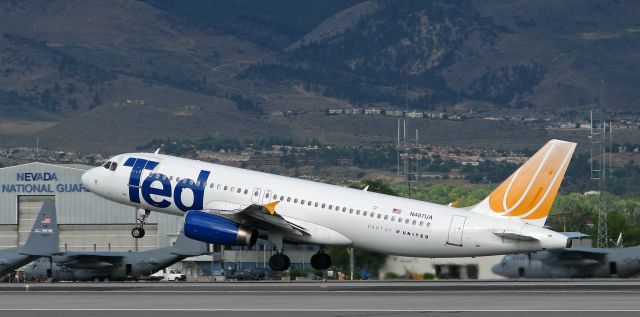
{"points": [[112, 75]]}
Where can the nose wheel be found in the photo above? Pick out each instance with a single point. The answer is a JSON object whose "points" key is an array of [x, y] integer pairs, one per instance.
{"points": [[138, 231]]}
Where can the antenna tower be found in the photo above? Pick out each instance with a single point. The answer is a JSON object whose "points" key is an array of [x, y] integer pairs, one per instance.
{"points": [[407, 151]]}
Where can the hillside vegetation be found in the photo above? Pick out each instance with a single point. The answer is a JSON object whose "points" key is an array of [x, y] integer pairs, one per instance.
{"points": [[191, 69]]}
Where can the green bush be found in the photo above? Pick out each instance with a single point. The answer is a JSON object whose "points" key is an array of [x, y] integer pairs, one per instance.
{"points": [[390, 276]]}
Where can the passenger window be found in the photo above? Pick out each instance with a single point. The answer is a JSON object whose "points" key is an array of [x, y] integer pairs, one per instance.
{"points": [[288, 199], [323, 206], [386, 217], [177, 179], [337, 208], [281, 198], [218, 186], [372, 215], [232, 189], [275, 196], [316, 204], [406, 221], [164, 177], [350, 210], [225, 187], [239, 190], [364, 213], [421, 223], [357, 212], [171, 177], [302, 202], [379, 215], [309, 203], [330, 207], [393, 218], [295, 201], [400, 219], [413, 222], [211, 186], [265, 195], [428, 224], [344, 209], [191, 182]]}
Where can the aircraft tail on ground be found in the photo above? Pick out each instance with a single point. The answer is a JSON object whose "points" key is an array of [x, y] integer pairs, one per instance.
{"points": [[44, 237], [529, 192], [189, 247]]}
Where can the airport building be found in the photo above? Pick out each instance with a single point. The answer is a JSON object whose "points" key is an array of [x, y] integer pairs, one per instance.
{"points": [[91, 223]]}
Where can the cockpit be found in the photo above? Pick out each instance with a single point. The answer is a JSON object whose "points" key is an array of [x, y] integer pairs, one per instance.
{"points": [[112, 166]]}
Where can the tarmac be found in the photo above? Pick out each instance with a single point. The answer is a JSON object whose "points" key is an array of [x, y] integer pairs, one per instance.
{"points": [[520, 298]]}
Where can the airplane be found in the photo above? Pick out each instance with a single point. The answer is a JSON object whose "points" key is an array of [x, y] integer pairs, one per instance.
{"points": [[113, 266], [571, 263], [42, 242], [232, 206]]}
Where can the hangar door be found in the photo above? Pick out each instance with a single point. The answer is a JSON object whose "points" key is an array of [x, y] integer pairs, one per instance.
{"points": [[28, 209]]}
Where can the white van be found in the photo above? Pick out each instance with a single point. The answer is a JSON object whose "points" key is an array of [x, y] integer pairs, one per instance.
{"points": [[169, 274]]}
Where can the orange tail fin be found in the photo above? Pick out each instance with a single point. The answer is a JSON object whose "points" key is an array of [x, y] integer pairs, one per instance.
{"points": [[529, 192]]}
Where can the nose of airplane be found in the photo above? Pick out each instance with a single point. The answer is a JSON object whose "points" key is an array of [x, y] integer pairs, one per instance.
{"points": [[89, 179], [497, 269]]}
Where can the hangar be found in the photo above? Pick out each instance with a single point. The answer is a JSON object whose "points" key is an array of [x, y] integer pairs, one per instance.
{"points": [[87, 222]]}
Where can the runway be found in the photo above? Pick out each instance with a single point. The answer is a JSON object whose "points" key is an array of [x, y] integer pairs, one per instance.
{"points": [[477, 298]]}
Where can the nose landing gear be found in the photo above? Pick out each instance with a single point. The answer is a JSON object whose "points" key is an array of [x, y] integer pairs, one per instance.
{"points": [[138, 231]]}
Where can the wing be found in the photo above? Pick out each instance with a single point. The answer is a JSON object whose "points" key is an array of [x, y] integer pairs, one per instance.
{"points": [[90, 260], [577, 257], [262, 217]]}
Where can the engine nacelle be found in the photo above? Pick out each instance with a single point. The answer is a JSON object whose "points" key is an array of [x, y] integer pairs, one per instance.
{"points": [[202, 226]]}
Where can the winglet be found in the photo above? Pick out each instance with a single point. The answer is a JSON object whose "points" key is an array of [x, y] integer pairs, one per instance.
{"points": [[454, 203], [271, 207], [157, 151]]}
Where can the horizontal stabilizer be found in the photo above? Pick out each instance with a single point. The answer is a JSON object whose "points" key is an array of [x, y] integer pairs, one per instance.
{"points": [[513, 236]]}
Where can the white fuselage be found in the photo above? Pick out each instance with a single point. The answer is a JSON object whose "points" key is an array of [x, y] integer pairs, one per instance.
{"points": [[335, 216]]}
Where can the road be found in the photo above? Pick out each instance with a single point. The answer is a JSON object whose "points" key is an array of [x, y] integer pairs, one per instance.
{"points": [[449, 298]]}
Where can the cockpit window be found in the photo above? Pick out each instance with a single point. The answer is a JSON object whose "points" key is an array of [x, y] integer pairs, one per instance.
{"points": [[114, 165], [107, 165]]}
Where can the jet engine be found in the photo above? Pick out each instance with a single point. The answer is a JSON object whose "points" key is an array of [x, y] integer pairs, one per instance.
{"points": [[202, 226]]}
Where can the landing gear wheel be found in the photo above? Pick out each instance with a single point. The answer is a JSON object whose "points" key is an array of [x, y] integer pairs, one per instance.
{"points": [[279, 262], [137, 232], [320, 261]]}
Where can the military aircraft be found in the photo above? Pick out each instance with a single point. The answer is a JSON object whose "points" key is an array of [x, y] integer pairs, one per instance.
{"points": [[113, 266], [571, 263], [43, 241]]}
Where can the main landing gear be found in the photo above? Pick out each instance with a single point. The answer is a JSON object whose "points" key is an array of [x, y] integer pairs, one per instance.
{"points": [[321, 260], [279, 262], [138, 231]]}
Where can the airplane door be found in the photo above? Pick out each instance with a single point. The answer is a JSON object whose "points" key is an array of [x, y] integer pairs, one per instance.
{"points": [[255, 197], [266, 198], [455, 230]]}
